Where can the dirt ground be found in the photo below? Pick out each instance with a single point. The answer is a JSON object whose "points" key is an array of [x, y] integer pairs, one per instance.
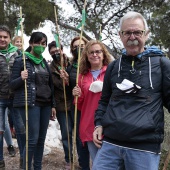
{"points": [[52, 161], [55, 160]]}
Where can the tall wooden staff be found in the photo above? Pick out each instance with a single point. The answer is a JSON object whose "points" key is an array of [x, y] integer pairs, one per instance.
{"points": [[39, 25], [76, 98], [26, 102], [100, 34], [65, 99]]}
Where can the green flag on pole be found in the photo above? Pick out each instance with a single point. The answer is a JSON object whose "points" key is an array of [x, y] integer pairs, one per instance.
{"points": [[56, 36], [18, 25], [83, 22], [100, 37]]}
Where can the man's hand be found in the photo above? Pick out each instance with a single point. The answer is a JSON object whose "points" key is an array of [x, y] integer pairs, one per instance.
{"points": [[97, 136]]}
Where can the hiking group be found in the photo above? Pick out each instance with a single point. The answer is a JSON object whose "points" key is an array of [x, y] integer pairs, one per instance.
{"points": [[120, 116]]}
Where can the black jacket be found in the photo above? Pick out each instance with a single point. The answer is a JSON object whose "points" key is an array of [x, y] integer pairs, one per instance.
{"points": [[18, 85], [135, 120], [72, 71]]}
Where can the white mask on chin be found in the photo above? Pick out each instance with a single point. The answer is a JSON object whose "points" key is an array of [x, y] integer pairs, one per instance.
{"points": [[96, 86]]}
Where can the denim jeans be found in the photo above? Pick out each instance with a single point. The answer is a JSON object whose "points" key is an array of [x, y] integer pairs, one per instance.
{"points": [[38, 120], [113, 157], [92, 149], [10, 120], [7, 132], [4, 103], [19, 130], [61, 117]]}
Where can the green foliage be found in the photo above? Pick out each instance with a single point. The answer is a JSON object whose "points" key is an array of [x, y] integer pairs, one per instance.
{"points": [[162, 26], [106, 13], [33, 11], [157, 13]]}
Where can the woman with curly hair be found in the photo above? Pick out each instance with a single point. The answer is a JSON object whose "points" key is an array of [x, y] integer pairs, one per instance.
{"points": [[93, 64]]}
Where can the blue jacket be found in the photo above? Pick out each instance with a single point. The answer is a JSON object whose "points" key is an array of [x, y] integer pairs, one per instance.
{"points": [[136, 120], [18, 85]]}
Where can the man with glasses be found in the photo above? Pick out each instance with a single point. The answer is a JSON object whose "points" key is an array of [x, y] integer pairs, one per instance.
{"points": [[129, 121]]}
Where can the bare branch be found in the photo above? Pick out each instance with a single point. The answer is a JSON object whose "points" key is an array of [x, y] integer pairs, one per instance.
{"points": [[66, 26]]}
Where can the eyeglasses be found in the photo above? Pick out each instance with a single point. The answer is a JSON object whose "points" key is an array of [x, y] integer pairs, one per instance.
{"points": [[77, 46], [95, 52], [138, 33]]}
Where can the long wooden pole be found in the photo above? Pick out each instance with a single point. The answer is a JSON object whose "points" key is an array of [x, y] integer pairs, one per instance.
{"points": [[26, 94], [100, 34], [76, 98], [39, 25], [65, 98]]}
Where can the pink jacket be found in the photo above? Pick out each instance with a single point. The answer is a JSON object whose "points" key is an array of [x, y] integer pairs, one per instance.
{"points": [[87, 104]]}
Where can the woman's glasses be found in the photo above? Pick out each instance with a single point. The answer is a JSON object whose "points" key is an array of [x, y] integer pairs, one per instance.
{"points": [[95, 52]]}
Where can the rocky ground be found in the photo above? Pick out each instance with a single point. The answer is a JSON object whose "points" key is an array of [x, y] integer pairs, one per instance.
{"points": [[54, 156], [52, 161], [55, 160]]}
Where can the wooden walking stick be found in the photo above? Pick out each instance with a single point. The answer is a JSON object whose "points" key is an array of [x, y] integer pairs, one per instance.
{"points": [[76, 98], [100, 34], [39, 25], [62, 68], [26, 103]]}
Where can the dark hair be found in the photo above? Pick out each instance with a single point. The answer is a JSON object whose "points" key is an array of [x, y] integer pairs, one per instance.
{"points": [[53, 44], [35, 38], [6, 29], [75, 39], [74, 58]]}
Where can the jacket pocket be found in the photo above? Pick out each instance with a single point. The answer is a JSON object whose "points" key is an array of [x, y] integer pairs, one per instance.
{"points": [[126, 121]]}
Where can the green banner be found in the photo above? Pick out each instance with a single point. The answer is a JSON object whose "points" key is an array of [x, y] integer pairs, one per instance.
{"points": [[18, 25], [56, 36], [100, 37], [83, 22]]}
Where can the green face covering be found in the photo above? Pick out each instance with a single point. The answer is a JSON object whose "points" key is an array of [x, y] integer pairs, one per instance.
{"points": [[38, 49]]}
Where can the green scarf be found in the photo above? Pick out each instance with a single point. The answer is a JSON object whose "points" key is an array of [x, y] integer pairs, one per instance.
{"points": [[75, 65], [11, 48], [35, 59]]}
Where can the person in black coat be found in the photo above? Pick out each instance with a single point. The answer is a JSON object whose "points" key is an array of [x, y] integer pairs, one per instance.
{"points": [[82, 150], [129, 120]]}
